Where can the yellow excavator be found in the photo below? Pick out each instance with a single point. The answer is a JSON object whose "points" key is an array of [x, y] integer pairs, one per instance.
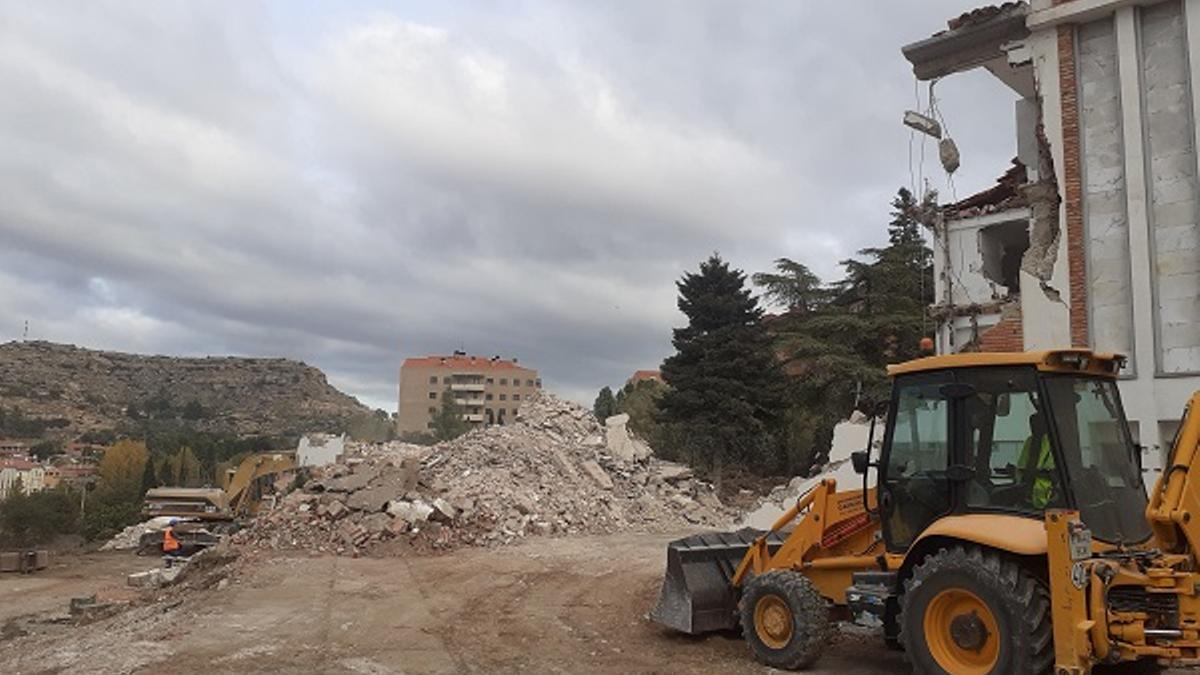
{"points": [[240, 493], [1008, 530]]}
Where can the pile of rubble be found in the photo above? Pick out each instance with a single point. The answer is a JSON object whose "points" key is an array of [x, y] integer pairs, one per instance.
{"points": [[555, 470], [130, 537]]}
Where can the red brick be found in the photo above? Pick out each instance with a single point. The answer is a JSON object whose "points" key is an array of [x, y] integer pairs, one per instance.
{"points": [[1073, 186], [1006, 336]]}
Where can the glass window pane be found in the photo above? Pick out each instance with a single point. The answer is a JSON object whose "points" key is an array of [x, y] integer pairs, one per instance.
{"points": [[915, 475], [1010, 449]]}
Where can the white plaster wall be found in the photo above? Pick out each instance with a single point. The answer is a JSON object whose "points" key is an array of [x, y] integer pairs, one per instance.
{"points": [[1106, 227], [968, 285], [320, 449], [1170, 145]]}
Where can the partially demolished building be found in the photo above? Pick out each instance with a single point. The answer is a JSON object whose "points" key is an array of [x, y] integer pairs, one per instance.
{"points": [[1092, 238]]}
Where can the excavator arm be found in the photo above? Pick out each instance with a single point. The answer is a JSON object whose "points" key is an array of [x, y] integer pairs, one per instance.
{"points": [[1174, 508], [238, 487]]}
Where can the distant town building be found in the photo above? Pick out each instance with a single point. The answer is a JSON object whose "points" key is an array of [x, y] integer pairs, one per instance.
{"points": [[320, 449], [75, 474], [643, 375], [11, 448], [28, 474], [489, 390]]}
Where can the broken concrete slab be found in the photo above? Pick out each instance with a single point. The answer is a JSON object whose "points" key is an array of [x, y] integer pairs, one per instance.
{"points": [[376, 523], [155, 578], [597, 474], [620, 444], [358, 480], [336, 510], [413, 512], [672, 472], [442, 511], [371, 500]]}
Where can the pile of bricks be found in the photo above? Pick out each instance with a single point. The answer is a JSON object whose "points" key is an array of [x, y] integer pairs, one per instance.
{"points": [[548, 473]]}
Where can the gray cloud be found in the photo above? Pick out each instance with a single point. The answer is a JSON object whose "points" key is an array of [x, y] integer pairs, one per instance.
{"points": [[351, 185]]}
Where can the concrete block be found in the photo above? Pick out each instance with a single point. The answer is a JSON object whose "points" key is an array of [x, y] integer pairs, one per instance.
{"points": [[597, 474], [672, 472], [371, 500], [413, 512], [442, 511], [336, 510]]}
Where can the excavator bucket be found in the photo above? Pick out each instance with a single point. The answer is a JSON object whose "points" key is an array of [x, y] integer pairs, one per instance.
{"points": [[696, 595]]}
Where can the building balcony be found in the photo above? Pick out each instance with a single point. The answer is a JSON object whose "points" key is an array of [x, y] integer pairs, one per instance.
{"points": [[466, 386], [473, 417], [469, 402]]}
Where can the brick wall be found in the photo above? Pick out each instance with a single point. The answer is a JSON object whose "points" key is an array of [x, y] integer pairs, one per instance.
{"points": [[1005, 336], [1073, 186]]}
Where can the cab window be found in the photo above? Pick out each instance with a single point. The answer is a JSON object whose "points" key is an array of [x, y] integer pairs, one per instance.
{"points": [[915, 486], [1009, 449]]}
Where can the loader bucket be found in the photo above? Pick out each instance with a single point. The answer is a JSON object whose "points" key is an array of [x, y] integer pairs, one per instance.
{"points": [[696, 595]]}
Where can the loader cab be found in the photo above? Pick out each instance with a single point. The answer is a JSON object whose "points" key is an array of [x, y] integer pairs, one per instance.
{"points": [[1012, 434]]}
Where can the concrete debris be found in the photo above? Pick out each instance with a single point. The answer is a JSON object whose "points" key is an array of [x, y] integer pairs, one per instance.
{"points": [[848, 436], [154, 578], [414, 512], [552, 471], [130, 537], [597, 474], [620, 444]]}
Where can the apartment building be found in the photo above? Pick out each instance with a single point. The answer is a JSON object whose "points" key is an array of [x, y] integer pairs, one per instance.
{"points": [[1092, 237], [25, 472], [489, 390]]}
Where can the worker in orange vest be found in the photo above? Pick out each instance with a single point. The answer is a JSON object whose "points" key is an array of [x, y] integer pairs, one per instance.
{"points": [[170, 544]]}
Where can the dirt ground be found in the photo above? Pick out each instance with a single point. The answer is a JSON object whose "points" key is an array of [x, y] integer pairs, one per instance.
{"points": [[562, 605]]}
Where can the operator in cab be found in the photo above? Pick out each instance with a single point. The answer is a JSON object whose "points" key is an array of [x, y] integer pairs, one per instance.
{"points": [[1036, 462]]}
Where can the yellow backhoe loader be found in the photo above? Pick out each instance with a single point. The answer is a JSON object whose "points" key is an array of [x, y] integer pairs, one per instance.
{"points": [[1008, 531]]}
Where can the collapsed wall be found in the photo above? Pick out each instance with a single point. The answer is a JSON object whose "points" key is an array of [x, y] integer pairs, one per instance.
{"points": [[550, 472]]}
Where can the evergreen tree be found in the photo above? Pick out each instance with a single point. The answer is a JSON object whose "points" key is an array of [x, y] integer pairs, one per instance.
{"points": [[166, 472], [874, 315], [793, 286], [605, 405], [640, 402], [448, 423], [149, 480], [725, 398]]}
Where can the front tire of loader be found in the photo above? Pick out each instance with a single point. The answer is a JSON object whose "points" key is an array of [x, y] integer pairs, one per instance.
{"points": [[970, 611], [785, 620]]}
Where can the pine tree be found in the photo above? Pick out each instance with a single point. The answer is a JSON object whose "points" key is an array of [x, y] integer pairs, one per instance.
{"points": [[725, 396], [792, 285], [605, 405]]}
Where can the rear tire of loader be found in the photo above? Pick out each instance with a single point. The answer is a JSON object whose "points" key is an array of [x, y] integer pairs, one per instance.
{"points": [[784, 619], [967, 610]]}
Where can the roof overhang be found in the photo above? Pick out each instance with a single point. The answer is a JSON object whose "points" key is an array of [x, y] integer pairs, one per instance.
{"points": [[969, 46]]}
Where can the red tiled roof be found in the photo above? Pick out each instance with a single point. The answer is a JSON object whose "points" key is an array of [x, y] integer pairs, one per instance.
{"points": [[640, 375], [18, 464], [982, 14], [464, 362]]}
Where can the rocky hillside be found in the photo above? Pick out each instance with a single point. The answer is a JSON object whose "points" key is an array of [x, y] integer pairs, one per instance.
{"points": [[96, 390]]}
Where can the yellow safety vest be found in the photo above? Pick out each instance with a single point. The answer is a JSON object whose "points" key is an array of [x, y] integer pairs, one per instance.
{"points": [[1042, 485]]}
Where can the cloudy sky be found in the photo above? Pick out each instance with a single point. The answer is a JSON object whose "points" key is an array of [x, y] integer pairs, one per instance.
{"points": [[351, 183]]}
